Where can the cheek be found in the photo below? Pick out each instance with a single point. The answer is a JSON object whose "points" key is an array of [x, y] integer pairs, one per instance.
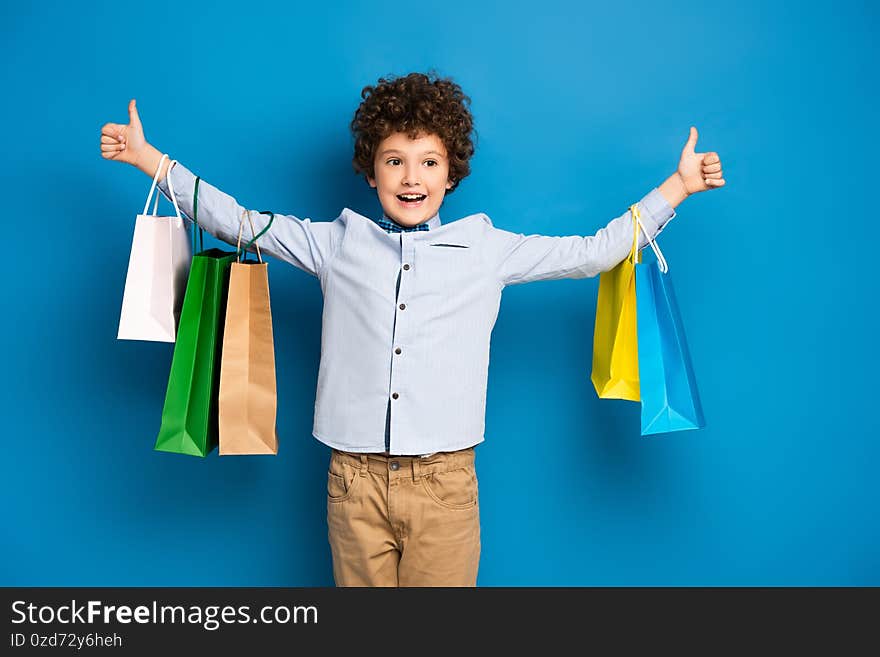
{"points": [[388, 182], [440, 178]]}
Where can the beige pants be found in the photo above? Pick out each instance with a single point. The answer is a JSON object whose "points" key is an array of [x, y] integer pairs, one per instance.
{"points": [[403, 520]]}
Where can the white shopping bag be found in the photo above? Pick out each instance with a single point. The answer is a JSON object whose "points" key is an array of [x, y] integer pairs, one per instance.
{"points": [[157, 273]]}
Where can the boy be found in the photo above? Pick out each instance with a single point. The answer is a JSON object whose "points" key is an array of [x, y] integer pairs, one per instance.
{"points": [[409, 306]]}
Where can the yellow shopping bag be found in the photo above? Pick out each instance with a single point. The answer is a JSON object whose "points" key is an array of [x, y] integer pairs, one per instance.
{"points": [[615, 344]]}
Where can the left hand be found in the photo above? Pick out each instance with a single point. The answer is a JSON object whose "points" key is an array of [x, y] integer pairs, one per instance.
{"points": [[699, 171]]}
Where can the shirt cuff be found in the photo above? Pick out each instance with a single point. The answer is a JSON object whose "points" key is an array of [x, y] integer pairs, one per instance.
{"points": [[656, 214], [175, 170]]}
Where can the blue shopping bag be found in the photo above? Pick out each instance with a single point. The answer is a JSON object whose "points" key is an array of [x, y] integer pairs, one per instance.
{"points": [[669, 395]]}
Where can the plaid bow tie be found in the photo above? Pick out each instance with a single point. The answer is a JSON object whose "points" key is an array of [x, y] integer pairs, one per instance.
{"points": [[393, 227]]}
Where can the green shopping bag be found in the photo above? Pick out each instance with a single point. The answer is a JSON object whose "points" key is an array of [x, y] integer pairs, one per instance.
{"points": [[189, 417]]}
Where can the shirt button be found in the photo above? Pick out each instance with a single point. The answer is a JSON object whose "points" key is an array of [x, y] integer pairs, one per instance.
{"points": [[394, 465], [397, 351], [394, 395], [406, 267], [403, 306]]}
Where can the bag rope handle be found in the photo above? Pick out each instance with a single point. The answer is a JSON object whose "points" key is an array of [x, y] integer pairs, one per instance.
{"points": [[196, 218], [262, 232], [637, 222], [242, 254]]}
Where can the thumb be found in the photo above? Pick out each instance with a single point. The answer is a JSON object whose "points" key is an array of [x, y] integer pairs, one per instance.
{"points": [[133, 117], [691, 142]]}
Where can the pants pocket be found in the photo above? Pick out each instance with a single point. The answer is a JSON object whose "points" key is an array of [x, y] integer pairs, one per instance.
{"points": [[453, 489], [342, 478]]}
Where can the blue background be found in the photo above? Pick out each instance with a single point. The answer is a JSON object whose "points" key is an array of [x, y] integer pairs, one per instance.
{"points": [[580, 111]]}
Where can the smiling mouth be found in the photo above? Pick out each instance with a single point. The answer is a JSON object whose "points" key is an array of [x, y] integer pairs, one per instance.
{"points": [[411, 200]]}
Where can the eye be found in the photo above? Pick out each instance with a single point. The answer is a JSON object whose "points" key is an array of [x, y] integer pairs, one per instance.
{"points": [[433, 162], [392, 160]]}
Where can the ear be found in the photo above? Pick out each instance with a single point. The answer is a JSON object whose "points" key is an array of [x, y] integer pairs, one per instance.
{"points": [[372, 181], [448, 184]]}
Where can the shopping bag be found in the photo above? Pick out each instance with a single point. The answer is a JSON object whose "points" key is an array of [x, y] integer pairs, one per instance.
{"points": [[615, 349], [189, 416], [670, 399], [247, 399], [157, 272]]}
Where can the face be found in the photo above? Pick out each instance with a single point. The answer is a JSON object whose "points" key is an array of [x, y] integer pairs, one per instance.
{"points": [[405, 166]]}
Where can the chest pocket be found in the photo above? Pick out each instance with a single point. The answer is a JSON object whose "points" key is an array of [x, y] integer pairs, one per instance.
{"points": [[447, 264]]}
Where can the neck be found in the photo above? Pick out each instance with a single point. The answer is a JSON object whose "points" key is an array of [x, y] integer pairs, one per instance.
{"points": [[387, 218], [431, 222]]}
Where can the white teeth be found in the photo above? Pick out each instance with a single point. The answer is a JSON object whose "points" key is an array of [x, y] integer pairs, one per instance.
{"points": [[411, 197]]}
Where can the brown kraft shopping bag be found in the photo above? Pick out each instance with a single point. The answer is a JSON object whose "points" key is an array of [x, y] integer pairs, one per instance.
{"points": [[247, 399]]}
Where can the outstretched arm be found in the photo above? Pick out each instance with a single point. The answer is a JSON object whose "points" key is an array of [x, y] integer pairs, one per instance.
{"points": [[306, 245], [525, 258]]}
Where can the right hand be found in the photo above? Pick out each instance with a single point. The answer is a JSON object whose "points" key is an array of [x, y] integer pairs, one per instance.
{"points": [[124, 143]]}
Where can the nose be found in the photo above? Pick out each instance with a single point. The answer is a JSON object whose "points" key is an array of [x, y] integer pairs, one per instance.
{"points": [[411, 176]]}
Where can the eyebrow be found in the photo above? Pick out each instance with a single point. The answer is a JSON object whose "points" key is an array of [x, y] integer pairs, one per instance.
{"points": [[394, 150]]}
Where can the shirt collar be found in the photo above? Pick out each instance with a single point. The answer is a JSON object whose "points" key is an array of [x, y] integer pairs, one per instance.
{"points": [[433, 222]]}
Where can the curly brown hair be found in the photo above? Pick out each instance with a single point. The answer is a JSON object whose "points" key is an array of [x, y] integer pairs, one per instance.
{"points": [[415, 103]]}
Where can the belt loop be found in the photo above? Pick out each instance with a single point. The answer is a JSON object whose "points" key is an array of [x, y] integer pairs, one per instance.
{"points": [[364, 465], [416, 468]]}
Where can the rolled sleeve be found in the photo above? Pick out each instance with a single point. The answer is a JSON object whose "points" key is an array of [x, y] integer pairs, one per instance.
{"points": [[656, 214]]}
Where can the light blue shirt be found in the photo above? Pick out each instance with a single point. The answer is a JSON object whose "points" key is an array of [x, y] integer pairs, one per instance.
{"points": [[440, 321]]}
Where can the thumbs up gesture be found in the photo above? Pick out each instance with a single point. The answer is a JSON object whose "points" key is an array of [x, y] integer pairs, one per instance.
{"points": [[699, 171], [124, 143]]}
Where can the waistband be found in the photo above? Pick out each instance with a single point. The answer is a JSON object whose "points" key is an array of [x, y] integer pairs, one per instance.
{"points": [[397, 466]]}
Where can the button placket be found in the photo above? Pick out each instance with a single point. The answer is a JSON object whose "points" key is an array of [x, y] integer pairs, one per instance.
{"points": [[401, 330]]}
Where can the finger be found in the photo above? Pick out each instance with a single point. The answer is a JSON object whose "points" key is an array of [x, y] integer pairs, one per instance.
{"points": [[712, 168], [711, 158], [107, 139], [112, 147], [712, 176], [133, 116], [111, 129], [715, 183], [691, 142], [118, 135]]}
